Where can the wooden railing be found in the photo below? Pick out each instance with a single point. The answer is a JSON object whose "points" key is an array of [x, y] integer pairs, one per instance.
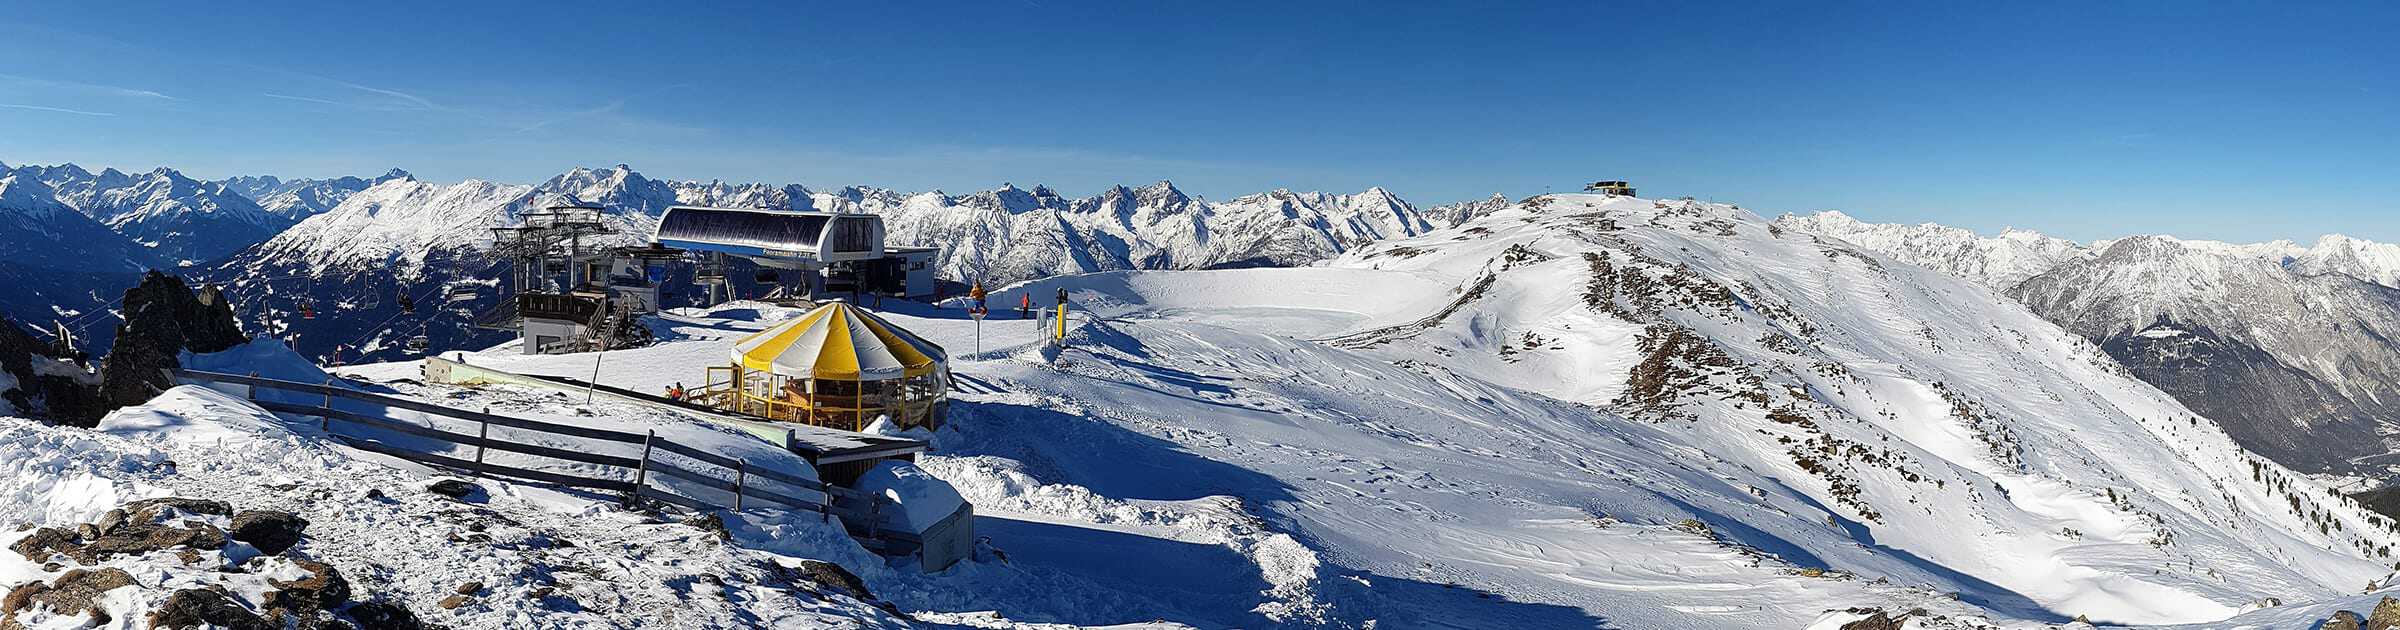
{"points": [[860, 512]]}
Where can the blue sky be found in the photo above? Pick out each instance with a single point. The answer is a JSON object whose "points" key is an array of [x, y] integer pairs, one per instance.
{"points": [[2205, 120]]}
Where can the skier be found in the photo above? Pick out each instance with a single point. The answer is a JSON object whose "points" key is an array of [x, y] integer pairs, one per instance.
{"points": [[1024, 305], [675, 392]]}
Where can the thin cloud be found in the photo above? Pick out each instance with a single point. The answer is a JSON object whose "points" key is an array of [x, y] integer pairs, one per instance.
{"points": [[412, 99], [62, 110], [96, 87], [302, 99]]}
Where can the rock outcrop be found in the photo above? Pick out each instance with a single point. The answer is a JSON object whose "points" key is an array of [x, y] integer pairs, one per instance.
{"points": [[270, 531], [163, 319], [197, 608]]}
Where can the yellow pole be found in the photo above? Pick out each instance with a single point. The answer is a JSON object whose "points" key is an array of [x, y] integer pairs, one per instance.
{"points": [[1061, 333]]}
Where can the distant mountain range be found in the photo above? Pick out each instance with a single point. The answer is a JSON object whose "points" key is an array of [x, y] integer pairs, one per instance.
{"points": [[2290, 348], [347, 246]]}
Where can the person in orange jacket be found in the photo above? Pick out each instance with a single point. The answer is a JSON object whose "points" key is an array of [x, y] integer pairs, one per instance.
{"points": [[1024, 305]]}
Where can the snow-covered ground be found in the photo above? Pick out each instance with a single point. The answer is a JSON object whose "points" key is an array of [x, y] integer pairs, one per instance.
{"points": [[1454, 431], [1574, 412]]}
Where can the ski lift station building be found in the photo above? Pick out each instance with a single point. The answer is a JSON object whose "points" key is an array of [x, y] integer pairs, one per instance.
{"points": [[833, 253]]}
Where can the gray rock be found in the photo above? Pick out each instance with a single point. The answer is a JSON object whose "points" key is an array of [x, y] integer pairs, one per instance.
{"points": [[324, 589], [195, 608], [2386, 615], [43, 543], [383, 616], [452, 488], [270, 531]]}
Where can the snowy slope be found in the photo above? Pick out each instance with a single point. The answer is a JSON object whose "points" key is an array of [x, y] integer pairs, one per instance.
{"points": [[1012, 234], [38, 231], [180, 218], [408, 236], [302, 198], [185, 219], [57, 263], [1926, 410], [543, 557], [2301, 367], [2358, 258], [1579, 411], [2288, 347], [1996, 262]]}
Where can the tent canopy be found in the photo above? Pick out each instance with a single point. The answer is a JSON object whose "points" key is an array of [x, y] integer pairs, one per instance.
{"points": [[838, 342]]}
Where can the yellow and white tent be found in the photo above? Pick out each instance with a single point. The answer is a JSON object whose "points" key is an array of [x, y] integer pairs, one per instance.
{"points": [[838, 342]]}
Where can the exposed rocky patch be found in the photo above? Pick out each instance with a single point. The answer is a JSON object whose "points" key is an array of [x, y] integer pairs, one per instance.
{"points": [[297, 591], [163, 318]]}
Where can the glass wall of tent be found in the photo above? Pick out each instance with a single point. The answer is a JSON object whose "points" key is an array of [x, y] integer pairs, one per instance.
{"points": [[909, 401]]}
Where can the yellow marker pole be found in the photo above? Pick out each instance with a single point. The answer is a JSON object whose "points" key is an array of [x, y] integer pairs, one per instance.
{"points": [[1061, 333]]}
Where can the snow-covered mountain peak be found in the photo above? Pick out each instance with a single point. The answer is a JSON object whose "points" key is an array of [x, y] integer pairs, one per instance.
{"points": [[26, 195], [2363, 259], [1997, 262]]}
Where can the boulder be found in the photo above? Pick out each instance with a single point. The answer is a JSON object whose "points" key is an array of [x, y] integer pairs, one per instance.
{"points": [[833, 575], [1879, 620], [150, 510], [324, 589], [141, 539], [2343, 620], [712, 524], [195, 608], [43, 543], [383, 616], [162, 319], [270, 531], [75, 592], [2386, 615], [453, 488]]}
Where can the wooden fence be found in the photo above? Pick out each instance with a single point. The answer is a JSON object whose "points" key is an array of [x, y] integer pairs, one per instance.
{"points": [[860, 512]]}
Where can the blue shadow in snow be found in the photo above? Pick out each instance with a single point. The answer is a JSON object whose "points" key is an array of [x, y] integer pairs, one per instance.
{"points": [[1212, 586], [1109, 459], [1972, 590], [1199, 584], [1743, 533]]}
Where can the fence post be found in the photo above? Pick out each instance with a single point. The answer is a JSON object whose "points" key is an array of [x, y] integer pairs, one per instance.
{"points": [[325, 420], [641, 473], [483, 433], [741, 475]]}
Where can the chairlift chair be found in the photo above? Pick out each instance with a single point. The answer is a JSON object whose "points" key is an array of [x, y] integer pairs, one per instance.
{"points": [[418, 343]]}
